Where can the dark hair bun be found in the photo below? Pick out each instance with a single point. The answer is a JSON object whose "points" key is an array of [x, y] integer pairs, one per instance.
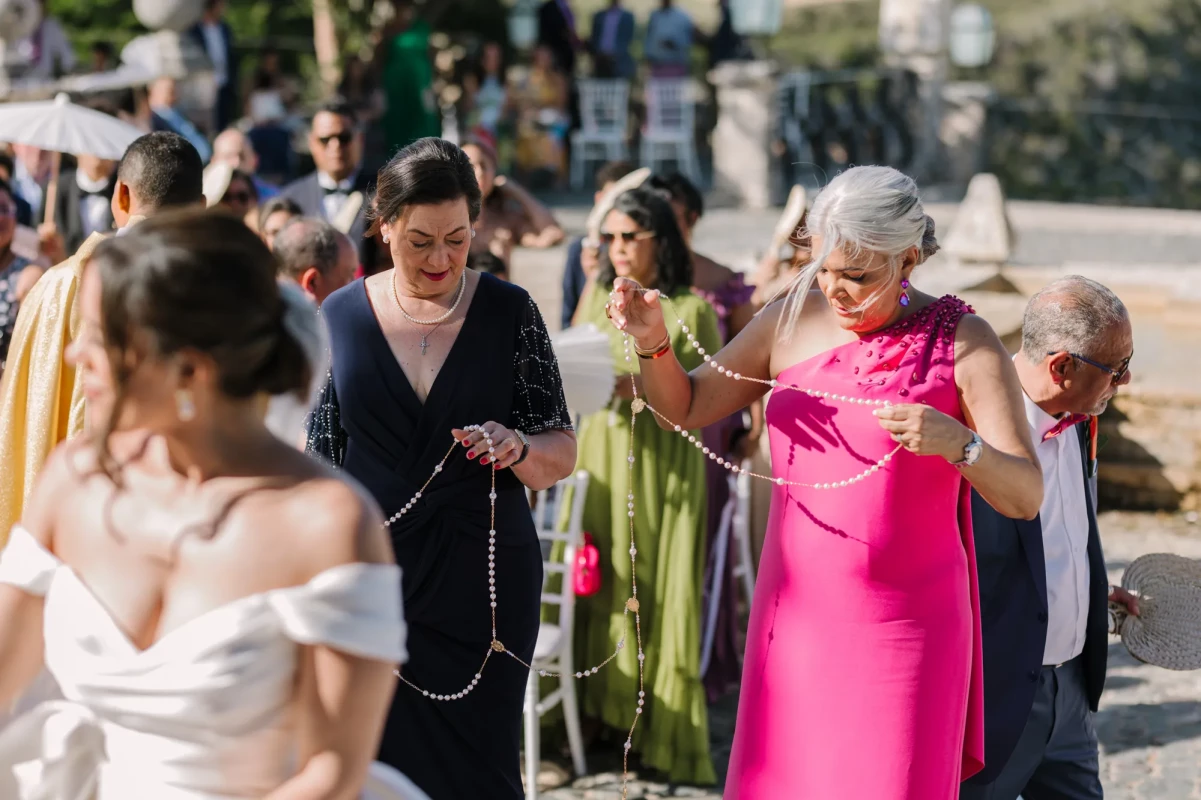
{"points": [[930, 244], [427, 172], [201, 280]]}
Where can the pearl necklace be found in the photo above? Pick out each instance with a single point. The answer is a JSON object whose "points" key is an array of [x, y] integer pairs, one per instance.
{"points": [[437, 320], [496, 646], [639, 404]]}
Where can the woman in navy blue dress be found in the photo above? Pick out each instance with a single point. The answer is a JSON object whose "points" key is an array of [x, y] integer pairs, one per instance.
{"points": [[420, 353]]}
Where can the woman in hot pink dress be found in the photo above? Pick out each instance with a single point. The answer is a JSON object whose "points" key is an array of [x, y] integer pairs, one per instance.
{"points": [[862, 673]]}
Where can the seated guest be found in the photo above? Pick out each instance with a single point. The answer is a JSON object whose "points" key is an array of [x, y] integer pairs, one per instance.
{"points": [[490, 263], [1044, 594], [162, 96], [337, 190], [232, 147], [317, 256], [85, 197], [583, 256], [41, 400], [510, 215], [232, 190], [7, 169], [274, 215]]}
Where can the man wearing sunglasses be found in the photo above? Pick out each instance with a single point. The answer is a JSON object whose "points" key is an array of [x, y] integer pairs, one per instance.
{"points": [[1043, 587], [338, 190]]}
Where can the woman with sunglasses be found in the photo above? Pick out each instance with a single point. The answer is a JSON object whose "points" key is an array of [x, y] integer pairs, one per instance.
{"points": [[645, 244]]}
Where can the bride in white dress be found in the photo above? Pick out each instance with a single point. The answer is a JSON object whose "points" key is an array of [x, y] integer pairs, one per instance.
{"points": [[219, 610]]}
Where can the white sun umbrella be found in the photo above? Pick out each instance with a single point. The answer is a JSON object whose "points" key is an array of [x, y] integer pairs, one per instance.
{"points": [[61, 126]]}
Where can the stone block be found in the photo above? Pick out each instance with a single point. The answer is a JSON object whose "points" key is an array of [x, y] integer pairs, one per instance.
{"points": [[742, 140], [982, 232]]}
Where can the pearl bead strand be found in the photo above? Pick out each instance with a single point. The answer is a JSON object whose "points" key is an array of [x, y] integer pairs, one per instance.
{"points": [[639, 404]]}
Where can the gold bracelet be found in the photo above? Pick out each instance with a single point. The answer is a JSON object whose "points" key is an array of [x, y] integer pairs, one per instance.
{"points": [[653, 351]]}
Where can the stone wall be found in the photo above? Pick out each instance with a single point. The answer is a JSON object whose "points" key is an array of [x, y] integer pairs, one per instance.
{"points": [[1150, 457]]}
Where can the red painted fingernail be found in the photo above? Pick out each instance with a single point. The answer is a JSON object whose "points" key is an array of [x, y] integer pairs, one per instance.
{"points": [[471, 454], [496, 466], [484, 460], [466, 443]]}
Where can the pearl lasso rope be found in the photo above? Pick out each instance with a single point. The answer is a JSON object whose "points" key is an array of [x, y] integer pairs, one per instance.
{"points": [[496, 646], [638, 404]]}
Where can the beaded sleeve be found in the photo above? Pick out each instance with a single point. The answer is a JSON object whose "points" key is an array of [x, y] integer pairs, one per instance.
{"points": [[326, 439], [538, 401]]}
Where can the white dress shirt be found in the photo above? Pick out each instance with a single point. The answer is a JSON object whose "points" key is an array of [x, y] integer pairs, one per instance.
{"points": [[1064, 518], [93, 207], [336, 194]]}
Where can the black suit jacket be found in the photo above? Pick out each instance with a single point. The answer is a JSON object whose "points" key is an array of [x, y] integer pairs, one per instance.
{"points": [[68, 212], [1013, 616], [309, 195], [555, 32]]}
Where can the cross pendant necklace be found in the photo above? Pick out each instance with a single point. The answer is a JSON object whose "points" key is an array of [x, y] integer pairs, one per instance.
{"points": [[424, 342]]}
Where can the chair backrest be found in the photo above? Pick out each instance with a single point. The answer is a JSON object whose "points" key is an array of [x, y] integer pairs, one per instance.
{"points": [[548, 520], [670, 107], [604, 106]]}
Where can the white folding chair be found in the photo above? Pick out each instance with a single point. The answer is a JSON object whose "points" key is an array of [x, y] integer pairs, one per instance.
{"points": [[735, 521], [553, 649], [670, 132], [604, 123]]}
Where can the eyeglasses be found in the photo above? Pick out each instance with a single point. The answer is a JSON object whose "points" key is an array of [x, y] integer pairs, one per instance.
{"points": [[344, 138], [608, 237], [1115, 374]]}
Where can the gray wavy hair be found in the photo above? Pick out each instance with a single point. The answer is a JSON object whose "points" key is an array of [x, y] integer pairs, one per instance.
{"points": [[1073, 313], [874, 209]]}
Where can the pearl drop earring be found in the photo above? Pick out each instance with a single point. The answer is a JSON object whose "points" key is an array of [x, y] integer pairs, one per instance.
{"points": [[385, 238], [185, 406]]}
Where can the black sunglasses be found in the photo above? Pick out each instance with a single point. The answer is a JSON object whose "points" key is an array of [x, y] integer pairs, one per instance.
{"points": [[626, 236], [1115, 374], [344, 138]]}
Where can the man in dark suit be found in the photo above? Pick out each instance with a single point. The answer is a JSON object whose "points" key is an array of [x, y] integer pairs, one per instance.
{"points": [[1043, 587], [338, 191], [216, 38], [556, 30], [612, 35], [85, 196]]}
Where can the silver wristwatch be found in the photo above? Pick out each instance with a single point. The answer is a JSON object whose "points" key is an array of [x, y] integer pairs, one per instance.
{"points": [[525, 446], [971, 453]]}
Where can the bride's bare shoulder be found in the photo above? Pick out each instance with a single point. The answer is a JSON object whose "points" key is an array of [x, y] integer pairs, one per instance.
{"points": [[330, 520]]}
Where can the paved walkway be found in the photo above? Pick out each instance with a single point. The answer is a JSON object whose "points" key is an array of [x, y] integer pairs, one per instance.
{"points": [[1149, 724]]}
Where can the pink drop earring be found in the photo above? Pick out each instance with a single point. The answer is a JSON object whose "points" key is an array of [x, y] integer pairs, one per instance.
{"points": [[904, 292]]}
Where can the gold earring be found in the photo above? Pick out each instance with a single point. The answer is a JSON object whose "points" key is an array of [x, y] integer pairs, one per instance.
{"points": [[185, 406]]}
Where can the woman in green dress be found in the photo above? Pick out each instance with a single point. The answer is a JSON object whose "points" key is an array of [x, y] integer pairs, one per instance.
{"points": [[407, 76], [644, 243]]}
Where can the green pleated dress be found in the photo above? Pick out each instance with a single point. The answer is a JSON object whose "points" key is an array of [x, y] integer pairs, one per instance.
{"points": [[669, 530]]}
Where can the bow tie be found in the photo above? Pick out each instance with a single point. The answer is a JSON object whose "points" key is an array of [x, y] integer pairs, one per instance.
{"points": [[99, 193], [1070, 421], [342, 188]]}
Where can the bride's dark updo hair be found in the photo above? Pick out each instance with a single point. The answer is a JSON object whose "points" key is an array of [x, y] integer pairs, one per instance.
{"points": [[196, 280]]}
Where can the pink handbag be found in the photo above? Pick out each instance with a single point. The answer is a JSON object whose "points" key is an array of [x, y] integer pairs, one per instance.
{"points": [[586, 577]]}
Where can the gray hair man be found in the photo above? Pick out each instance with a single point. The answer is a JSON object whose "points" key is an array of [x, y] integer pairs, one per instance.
{"points": [[317, 256], [1043, 587]]}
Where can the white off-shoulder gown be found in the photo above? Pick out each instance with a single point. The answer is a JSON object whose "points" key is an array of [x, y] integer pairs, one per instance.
{"points": [[203, 714]]}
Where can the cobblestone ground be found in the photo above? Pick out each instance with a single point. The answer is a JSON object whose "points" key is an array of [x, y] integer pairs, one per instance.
{"points": [[1149, 724]]}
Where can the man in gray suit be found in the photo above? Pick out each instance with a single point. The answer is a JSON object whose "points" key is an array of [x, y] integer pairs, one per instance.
{"points": [[612, 34], [339, 189]]}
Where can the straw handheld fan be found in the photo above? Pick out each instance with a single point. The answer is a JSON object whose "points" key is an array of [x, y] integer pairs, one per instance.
{"points": [[585, 358], [1167, 632]]}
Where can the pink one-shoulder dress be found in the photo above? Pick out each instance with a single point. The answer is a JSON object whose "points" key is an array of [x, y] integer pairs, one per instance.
{"points": [[862, 675]]}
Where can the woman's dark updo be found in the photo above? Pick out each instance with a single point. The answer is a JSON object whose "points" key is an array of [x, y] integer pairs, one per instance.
{"points": [[652, 212], [194, 280], [430, 171]]}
